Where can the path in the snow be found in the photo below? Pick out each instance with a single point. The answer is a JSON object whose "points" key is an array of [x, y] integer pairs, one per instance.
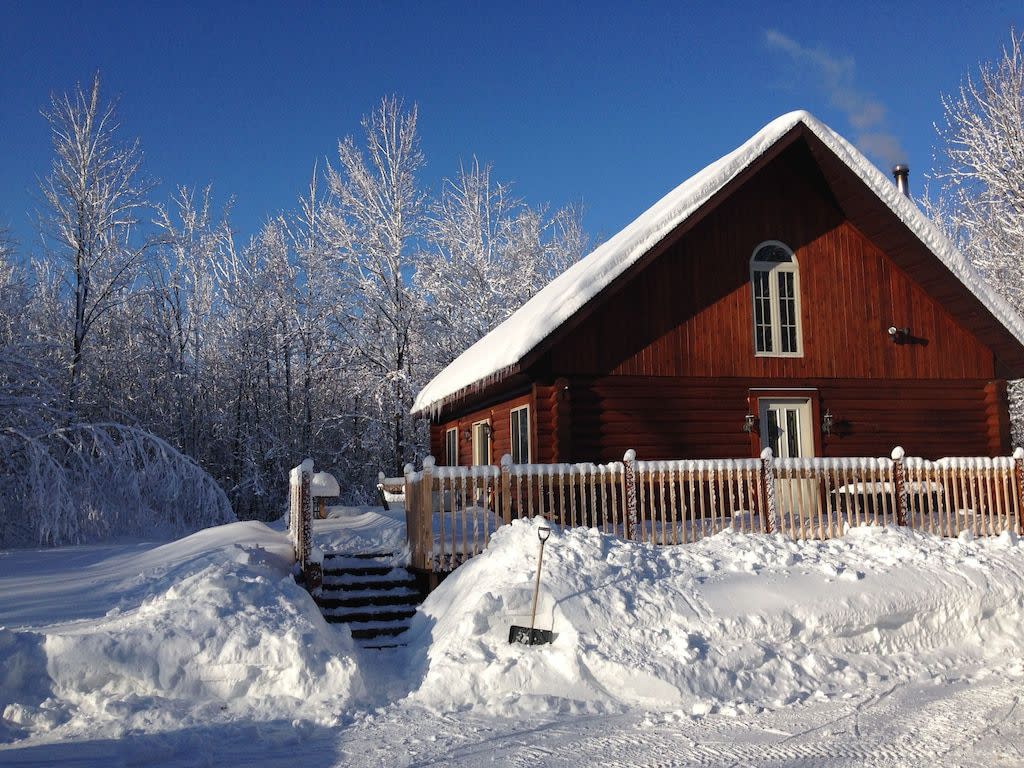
{"points": [[962, 723]]}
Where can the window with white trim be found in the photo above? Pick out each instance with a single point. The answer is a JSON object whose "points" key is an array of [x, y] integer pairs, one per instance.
{"points": [[451, 447], [775, 287], [519, 423]]}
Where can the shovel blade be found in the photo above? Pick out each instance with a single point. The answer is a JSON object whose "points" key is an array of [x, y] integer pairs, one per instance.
{"points": [[527, 636]]}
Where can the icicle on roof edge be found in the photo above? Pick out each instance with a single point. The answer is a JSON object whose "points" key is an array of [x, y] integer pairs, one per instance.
{"points": [[497, 353]]}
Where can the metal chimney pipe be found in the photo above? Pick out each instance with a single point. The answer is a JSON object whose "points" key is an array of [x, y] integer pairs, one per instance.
{"points": [[901, 173]]}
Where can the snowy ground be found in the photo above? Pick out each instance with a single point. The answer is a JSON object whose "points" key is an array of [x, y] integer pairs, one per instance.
{"points": [[883, 648]]}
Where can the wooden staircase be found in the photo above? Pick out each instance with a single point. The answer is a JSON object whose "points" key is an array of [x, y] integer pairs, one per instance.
{"points": [[374, 593]]}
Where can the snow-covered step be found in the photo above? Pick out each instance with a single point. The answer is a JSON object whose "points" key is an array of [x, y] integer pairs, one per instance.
{"points": [[343, 599], [372, 592], [361, 616], [366, 630], [363, 577], [356, 560]]}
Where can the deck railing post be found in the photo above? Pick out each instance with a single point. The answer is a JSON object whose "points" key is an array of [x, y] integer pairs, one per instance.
{"points": [[768, 489], [426, 512], [632, 527], [312, 572], [412, 518], [506, 489], [899, 478], [1018, 474]]}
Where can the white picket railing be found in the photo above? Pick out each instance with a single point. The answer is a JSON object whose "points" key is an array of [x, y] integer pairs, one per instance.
{"points": [[451, 512]]}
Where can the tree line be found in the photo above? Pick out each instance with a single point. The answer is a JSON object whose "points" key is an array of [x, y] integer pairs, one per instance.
{"points": [[311, 338]]}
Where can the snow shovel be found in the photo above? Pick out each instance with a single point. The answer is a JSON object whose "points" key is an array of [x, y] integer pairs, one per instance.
{"points": [[530, 635]]}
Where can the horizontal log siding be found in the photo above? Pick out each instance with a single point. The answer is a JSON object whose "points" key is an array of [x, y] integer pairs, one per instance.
{"points": [[689, 313], [541, 402], [664, 418]]}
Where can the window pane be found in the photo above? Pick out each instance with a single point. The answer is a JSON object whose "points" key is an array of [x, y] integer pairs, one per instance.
{"points": [[787, 312], [480, 447], [793, 432], [451, 447], [774, 254], [774, 433], [762, 313], [520, 422]]}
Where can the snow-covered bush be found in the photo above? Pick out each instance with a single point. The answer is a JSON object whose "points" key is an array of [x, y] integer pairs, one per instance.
{"points": [[63, 482], [90, 482]]}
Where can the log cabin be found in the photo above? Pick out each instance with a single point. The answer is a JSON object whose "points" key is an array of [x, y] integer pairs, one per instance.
{"points": [[789, 295]]}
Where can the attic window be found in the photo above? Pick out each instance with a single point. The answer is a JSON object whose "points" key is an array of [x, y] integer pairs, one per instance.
{"points": [[775, 287]]}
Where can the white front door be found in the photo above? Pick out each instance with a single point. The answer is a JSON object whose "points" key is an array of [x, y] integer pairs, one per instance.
{"points": [[787, 428]]}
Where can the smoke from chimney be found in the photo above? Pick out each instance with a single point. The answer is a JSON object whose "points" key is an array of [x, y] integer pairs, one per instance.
{"points": [[901, 173]]}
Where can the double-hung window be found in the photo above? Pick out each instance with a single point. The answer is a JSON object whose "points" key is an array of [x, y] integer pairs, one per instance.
{"points": [[519, 421], [775, 286]]}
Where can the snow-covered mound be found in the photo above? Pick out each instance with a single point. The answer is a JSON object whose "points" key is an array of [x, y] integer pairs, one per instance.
{"points": [[734, 623], [221, 632]]}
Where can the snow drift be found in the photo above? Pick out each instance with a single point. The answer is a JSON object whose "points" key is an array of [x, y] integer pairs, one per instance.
{"points": [[734, 623], [223, 632]]}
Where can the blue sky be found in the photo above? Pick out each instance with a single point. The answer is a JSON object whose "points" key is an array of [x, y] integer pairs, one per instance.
{"points": [[606, 104]]}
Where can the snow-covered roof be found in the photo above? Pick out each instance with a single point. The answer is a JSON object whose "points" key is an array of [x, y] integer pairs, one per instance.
{"points": [[497, 353]]}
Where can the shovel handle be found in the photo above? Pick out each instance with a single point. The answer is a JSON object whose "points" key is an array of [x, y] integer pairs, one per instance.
{"points": [[536, 585]]}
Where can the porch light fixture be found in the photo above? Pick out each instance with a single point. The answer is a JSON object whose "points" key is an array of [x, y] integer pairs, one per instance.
{"points": [[827, 422], [749, 422]]}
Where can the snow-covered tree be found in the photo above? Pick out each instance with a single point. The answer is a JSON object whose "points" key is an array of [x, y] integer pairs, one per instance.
{"points": [[94, 197], [488, 252], [981, 200], [375, 223], [180, 283]]}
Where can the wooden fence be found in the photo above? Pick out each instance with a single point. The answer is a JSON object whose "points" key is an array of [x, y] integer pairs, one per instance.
{"points": [[451, 512]]}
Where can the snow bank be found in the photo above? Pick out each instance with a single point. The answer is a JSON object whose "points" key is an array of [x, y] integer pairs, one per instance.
{"points": [[735, 623], [222, 633]]}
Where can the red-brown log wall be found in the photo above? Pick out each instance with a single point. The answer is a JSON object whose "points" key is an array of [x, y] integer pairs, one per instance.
{"points": [[689, 313], [703, 417], [542, 414]]}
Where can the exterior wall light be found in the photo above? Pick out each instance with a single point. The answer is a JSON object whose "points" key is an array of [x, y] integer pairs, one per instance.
{"points": [[827, 422], [749, 423], [899, 335]]}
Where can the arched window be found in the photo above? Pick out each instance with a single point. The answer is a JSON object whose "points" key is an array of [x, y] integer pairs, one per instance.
{"points": [[775, 285]]}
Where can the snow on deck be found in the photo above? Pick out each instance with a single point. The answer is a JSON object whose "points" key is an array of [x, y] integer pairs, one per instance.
{"points": [[501, 349]]}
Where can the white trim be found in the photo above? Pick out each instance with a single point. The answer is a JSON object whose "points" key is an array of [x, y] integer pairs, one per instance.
{"points": [[512, 434], [452, 461], [487, 438], [770, 268], [783, 389]]}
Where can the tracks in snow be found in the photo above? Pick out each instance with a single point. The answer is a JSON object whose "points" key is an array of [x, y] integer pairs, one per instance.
{"points": [[916, 724]]}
